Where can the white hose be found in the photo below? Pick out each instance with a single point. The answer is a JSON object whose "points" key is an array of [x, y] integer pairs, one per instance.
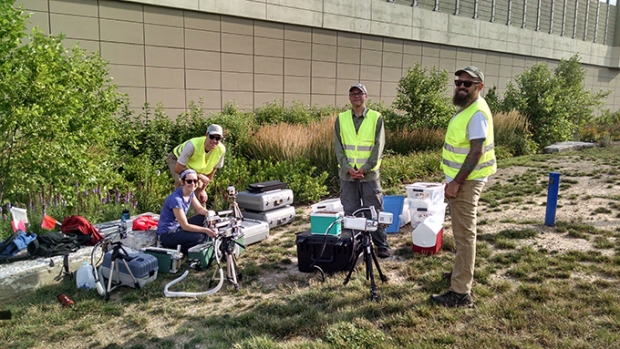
{"points": [[197, 294]]}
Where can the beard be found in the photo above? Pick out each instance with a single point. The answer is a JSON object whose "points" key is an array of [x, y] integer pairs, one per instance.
{"points": [[461, 100]]}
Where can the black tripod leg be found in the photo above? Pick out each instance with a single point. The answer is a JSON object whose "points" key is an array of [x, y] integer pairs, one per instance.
{"points": [[381, 275], [368, 257], [346, 280]]}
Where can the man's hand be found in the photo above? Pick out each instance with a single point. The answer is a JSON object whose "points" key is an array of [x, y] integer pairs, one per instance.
{"points": [[202, 197], [356, 174], [452, 190]]}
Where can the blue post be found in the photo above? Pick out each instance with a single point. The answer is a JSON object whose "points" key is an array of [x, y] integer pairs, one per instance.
{"points": [[552, 198]]}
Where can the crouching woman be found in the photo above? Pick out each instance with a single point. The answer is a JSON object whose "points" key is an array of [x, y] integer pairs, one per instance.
{"points": [[174, 228]]}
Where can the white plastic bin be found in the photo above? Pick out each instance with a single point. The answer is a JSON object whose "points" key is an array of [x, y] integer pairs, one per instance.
{"points": [[418, 215], [330, 206], [425, 195]]}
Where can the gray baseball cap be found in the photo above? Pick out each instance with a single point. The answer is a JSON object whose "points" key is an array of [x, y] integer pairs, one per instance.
{"points": [[474, 72], [215, 130], [360, 87]]}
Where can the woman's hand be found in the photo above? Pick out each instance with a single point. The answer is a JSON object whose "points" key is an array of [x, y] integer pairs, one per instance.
{"points": [[210, 232]]}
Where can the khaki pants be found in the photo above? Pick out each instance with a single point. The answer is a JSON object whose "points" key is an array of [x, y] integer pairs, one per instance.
{"points": [[463, 210]]}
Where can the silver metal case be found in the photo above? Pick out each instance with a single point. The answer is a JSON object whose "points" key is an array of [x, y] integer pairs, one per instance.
{"points": [[267, 201]]}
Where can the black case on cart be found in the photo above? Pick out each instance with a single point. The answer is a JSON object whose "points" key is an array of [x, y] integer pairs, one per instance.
{"points": [[337, 255], [266, 186]]}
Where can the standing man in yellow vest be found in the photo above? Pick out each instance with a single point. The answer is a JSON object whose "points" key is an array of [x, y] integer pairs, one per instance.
{"points": [[468, 159], [359, 140], [201, 154]]}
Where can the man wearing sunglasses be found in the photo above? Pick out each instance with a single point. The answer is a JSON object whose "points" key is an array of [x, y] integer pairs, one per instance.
{"points": [[201, 154], [468, 158], [359, 141]]}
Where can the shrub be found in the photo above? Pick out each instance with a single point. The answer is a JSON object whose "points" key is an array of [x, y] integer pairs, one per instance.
{"points": [[57, 110], [423, 100], [555, 103], [397, 170]]}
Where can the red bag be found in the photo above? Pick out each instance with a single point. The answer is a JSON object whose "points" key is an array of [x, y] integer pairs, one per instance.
{"points": [[145, 222], [80, 225]]}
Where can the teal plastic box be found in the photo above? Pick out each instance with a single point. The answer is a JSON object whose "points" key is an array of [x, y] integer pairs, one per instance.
{"points": [[319, 222]]}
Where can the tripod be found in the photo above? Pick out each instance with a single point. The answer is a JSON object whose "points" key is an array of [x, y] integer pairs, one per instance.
{"points": [[369, 256], [118, 255]]}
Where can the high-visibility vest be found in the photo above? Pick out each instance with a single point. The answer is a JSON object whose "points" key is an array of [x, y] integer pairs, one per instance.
{"points": [[200, 161], [358, 146], [456, 146]]}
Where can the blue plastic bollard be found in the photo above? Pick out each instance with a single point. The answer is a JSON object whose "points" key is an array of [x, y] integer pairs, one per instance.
{"points": [[552, 198]]}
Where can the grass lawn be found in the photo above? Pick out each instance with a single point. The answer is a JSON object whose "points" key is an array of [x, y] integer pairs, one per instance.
{"points": [[531, 290]]}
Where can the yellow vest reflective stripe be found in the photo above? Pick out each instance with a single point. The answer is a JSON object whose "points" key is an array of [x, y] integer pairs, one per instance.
{"points": [[199, 161], [358, 146], [456, 146]]}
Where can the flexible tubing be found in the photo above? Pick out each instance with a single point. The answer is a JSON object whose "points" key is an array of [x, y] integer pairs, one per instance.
{"points": [[168, 293]]}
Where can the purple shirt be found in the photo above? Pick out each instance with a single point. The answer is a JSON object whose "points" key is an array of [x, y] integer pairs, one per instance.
{"points": [[167, 221]]}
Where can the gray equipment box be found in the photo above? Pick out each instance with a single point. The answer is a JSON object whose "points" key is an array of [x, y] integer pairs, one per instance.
{"points": [[254, 230], [274, 218], [266, 201], [143, 266]]}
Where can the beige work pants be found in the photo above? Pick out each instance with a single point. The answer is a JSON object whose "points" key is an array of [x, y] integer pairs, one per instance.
{"points": [[463, 210]]}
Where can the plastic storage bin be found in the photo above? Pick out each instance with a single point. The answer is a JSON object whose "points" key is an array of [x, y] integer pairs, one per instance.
{"points": [[393, 204], [425, 195], [319, 222], [330, 205], [418, 215], [144, 268]]}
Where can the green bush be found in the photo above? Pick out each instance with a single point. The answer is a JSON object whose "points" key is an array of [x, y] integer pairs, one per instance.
{"points": [[555, 103], [57, 121], [300, 175], [397, 170], [423, 100]]}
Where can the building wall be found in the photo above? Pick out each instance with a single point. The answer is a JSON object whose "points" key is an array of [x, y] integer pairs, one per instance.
{"points": [[253, 52]]}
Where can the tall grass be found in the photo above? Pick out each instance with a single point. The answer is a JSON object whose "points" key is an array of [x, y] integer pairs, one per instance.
{"points": [[314, 141], [403, 141], [512, 133]]}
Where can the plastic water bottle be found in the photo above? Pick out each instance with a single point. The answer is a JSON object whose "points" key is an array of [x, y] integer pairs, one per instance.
{"points": [[84, 277]]}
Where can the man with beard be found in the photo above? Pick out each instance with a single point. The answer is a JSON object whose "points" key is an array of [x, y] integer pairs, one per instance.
{"points": [[468, 159], [359, 139]]}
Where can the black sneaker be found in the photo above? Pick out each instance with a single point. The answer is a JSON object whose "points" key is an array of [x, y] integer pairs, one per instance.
{"points": [[452, 299], [383, 252]]}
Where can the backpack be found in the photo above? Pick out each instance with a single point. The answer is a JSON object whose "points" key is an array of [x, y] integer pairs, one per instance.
{"points": [[53, 244], [86, 233], [15, 243]]}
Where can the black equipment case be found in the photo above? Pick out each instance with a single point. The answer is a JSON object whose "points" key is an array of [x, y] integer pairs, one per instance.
{"points": [[266, 186], [337, 256]]}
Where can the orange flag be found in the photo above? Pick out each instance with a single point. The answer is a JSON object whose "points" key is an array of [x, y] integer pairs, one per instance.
{"points": [[49, 223]]}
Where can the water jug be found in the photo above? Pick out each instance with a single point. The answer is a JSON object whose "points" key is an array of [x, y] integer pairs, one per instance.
{"points": [[84, 277]]}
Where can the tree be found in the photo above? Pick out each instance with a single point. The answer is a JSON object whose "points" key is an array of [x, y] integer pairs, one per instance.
{"points": [[57, 121]]}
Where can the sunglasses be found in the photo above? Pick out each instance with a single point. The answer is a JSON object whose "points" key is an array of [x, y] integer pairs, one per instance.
{"points": [[356, 94], [217, 138], [191, 181], [458, 83]]}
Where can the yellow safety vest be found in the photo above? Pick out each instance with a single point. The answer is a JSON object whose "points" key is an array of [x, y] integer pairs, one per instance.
{"points": [[456, 146], [199, 161], [358, 146]]}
